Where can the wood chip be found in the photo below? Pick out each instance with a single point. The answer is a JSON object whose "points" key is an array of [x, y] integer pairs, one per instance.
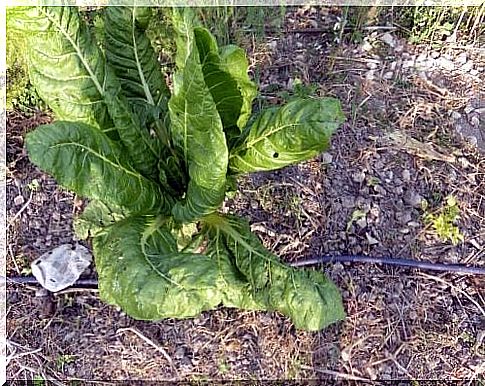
{"points": [[417, 148]]}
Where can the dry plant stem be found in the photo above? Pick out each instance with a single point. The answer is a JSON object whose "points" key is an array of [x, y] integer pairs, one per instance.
{"points": [[151, 343], [19, 212], [440, 280]]}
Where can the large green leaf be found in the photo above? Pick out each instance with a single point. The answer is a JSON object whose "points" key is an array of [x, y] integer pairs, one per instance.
{"points": [[140, 270], [197, 130], [235, 288], [223, 88], [130, 54], [65, 65], [95, 218], [281, 136], [86, 161], [310, 299], [69, 72], [236, 63], [226, 75]]}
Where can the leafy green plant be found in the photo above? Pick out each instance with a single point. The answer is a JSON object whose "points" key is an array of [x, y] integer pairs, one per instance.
{"points": [[20, 93], [443, 222], [156, 163], [298, 91]]}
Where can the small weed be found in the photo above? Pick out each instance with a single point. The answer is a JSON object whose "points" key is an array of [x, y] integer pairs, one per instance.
{"points": [[224, 367], [63, 360], [467, 337], [373, 181], [294, 369], [356, 216], [38, 381], [26, 271], [299, 90], [436, 24], [281, 199], [34, 185], [443, 222]]}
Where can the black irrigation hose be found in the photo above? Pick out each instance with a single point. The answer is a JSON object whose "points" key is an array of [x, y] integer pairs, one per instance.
{"points": [[459, 268], [84, 283]]}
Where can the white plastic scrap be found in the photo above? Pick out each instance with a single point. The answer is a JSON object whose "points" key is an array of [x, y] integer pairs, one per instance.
{"points": [[61, 267]]}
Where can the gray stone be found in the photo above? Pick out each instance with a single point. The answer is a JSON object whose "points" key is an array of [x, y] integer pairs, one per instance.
{"points": [[406, 175], [388, 75], [358, 177], [408, 64], [413, 198], [388, 39], [468, 66], [370, 75], [327, 158], [366, 46], [403, 217], [19, 200], [475, 121], [380, 190], [455, 115], [371, 240], [445, 64], [461, 59], [361, 222], [371, 65], [348, 202]]}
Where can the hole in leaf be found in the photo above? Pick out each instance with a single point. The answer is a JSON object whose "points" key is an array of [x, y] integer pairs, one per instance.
{"points": [[276, 155]]}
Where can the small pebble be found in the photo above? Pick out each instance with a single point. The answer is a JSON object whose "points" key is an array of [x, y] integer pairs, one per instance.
{"points": [[361, 222], [445, 64], [371, 240], [455, 115], [421, 57], [388, 39], [388, 75], [467, 66], [472, 140], [403, 218], [380, 190], [371, 65], [358, 177], [370, 75], [406, 175], [408, 64], [414, 199], [462, 58], [348, 202], [463, 162], [366, 46], [327, 158], [398, 190], [475, 121], [413, 224], [19, 200], [180, 353]]}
